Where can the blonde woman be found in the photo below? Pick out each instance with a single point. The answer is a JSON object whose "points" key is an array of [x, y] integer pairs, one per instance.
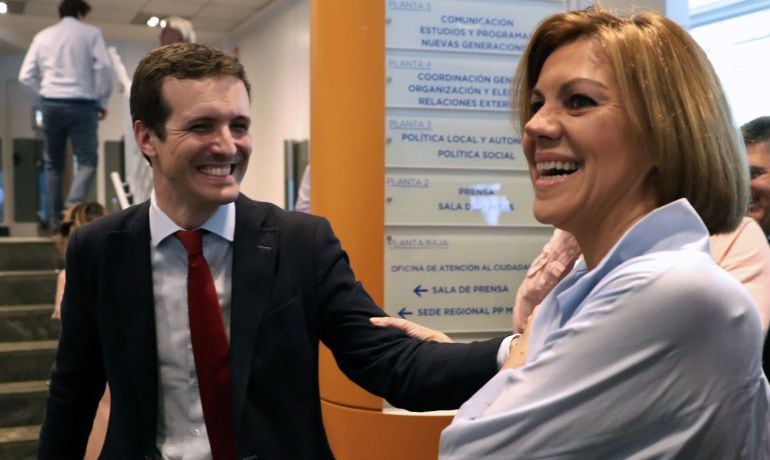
{"points": [[72, 218], [646, 349]]}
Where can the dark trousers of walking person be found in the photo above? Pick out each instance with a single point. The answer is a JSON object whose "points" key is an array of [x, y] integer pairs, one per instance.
{"points": [[76, 120]]}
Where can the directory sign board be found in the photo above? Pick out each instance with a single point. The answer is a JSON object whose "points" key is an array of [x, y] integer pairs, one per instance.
{"points": [[443, 83], [464, 27], [458, 198], [457, 280], [458, 212], [453, 142]]}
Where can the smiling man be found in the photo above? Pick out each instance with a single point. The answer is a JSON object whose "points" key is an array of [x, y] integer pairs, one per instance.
{"points": [[203, 309], [756, 135]]}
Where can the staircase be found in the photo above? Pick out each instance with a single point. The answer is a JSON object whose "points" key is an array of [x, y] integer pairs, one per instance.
{"points": [[28, 338]]}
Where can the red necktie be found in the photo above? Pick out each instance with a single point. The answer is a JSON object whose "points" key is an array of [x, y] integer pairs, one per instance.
{"points": [[210, 348]]}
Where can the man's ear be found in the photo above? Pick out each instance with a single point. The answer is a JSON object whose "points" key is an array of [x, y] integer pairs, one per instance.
{"points": [[144, 138]]}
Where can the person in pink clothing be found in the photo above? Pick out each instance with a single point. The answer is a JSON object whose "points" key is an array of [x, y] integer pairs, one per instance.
{"points": [[548, 268], [744, 255]]}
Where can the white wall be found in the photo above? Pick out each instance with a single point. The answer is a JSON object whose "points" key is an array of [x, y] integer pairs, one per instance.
{"points": [[275, 50], [15, 117]]}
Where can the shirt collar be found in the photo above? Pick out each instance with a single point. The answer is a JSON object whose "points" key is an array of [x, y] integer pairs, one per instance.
{"points": [[674, 226], [221, 223]]}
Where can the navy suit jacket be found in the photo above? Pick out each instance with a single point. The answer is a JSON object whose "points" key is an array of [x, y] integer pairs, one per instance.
{"points": [[292, 287]]}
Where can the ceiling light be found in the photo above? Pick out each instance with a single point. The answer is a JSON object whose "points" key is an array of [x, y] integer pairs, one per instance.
{"points": [[162, 23], [153, 21], [3, 7]]}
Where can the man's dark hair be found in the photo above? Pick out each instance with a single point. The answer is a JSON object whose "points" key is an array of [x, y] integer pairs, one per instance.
{"points": [[757, 130], [183, 61], [74, 8]]}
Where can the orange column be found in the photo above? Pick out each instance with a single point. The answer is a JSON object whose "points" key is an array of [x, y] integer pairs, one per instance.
{"points": [[347, 131]]}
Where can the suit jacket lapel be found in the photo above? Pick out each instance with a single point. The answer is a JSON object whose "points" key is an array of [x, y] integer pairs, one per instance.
{"points": [[129, 253], [255, 250]]}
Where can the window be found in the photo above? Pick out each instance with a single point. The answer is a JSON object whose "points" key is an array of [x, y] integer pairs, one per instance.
{"points": [[736, 38]]}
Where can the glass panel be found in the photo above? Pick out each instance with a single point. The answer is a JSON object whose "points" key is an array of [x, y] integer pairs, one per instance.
{"points": [[737, 48], [708, 4]]}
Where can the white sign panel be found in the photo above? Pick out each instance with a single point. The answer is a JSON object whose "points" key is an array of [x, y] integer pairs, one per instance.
{"points": [[463, 26], [460, 232], [457, 280], [412, 198], [449, 83], [453, 142]]}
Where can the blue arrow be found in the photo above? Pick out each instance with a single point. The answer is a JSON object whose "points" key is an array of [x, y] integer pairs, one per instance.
{"points": [[419, 290], [404, 313]]}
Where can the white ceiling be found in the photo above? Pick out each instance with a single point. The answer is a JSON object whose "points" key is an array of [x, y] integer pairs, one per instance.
{"points": [[211, 19]]}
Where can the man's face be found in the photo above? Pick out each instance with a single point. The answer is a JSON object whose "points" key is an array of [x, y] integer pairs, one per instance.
{"points": [[200, 163], [759, 166]]}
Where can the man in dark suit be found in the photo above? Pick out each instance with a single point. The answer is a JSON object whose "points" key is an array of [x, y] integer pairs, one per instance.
{"points": [[281, 283]]}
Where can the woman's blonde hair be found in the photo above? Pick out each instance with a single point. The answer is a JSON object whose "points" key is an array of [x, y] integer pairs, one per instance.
{"points": [[75, 216], [675, 103]]}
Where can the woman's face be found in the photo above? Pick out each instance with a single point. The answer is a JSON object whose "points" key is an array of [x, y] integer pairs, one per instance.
{"points": [[588, 172]]}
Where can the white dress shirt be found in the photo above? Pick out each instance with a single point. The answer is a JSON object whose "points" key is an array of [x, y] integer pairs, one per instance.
{"points": [[68, 60], [181, 431], [303, 194]]}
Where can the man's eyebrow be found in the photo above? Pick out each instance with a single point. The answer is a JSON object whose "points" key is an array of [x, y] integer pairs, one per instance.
{"points": [[212, 118], [757, 169], [198, 118]]}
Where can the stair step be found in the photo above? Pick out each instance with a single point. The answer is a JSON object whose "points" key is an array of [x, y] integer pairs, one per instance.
{"points": [[19, 442], [26, 287], [29, 253], [28, 340], [22, 403], [22, 361], [23, 323]]}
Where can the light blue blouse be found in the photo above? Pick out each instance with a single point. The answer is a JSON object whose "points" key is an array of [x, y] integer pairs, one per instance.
{"points": [[656, 353]]}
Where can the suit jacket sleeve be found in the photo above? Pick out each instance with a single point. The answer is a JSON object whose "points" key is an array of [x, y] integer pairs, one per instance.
{"points": [[411, 374], [78, 379]]}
